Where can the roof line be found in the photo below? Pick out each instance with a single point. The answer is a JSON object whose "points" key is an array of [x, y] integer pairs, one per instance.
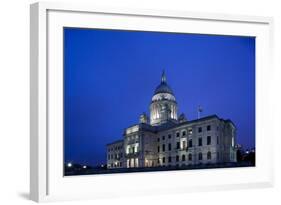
{"points": [[116, 141]]}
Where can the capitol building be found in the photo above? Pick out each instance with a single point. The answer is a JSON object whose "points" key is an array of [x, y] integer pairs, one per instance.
{"points": [[165, 139]]}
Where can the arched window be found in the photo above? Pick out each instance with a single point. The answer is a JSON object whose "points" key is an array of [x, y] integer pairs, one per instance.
{"points": [[189, 157], [183, 158], [209, 155], [200, 156]]}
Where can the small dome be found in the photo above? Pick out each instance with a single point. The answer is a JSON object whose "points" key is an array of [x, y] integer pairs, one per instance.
{"points": [[163, 87]]}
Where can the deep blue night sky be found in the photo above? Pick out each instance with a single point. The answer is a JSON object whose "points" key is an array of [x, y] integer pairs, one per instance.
{"points": [[110, 77]]}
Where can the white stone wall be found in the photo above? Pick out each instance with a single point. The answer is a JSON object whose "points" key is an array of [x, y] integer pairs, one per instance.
{"points": [[115, 155], [177, 145]]}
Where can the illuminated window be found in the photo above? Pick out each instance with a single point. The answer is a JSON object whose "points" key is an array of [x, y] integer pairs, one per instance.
{"points": [[190, 131], [132, 162], [183, 144]]}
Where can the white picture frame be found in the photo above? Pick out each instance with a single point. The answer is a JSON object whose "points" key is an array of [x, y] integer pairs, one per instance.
{"points": [[47, 182]]}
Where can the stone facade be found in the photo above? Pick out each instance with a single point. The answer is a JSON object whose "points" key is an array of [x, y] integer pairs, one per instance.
{"points": [[169, 140], [115, 154]]}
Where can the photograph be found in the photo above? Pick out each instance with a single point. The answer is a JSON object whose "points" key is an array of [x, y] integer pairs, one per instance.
{"points": [[150, 101]]}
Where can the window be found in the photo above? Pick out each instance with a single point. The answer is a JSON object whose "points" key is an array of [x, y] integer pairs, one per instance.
{"points": [[163, 159], [163, 148], [189, 157], [158, 139], [190, 143], [208, 140], [200, 156], [158, 148], [209, 155], [200, 141], [208, 127], [183, 158], [178, 145], [178, 134], [121, 155], [169, 136], [158, 160], [183, 144], [183, 133], [108, 157], [169, 146], [217, 139], [163, 137], [177, 158], [169, 159], [190, 131], [199, 129]]}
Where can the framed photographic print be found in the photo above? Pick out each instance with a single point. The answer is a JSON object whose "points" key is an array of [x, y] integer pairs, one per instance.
{"points": [[154, 101]]}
